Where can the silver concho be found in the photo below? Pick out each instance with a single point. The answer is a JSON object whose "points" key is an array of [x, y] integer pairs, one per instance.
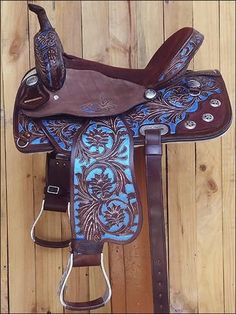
{"points": [[32, 80], [55, 97], [207, 117], [215, 102], [150, 94], [164, 128], [190, 124], [193, 84], [194, 92]]}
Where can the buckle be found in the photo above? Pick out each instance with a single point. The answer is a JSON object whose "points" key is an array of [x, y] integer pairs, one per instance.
{"points": [[53, 189], [164, 128]]}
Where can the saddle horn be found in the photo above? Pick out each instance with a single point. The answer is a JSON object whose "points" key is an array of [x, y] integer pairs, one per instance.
{"points": [[48, 52]]}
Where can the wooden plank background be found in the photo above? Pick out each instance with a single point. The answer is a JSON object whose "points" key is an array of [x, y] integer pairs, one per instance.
{"points": [[199, 197]]}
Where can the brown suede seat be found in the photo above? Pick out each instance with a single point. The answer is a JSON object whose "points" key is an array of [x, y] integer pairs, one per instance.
{"points": [[169, 61]]}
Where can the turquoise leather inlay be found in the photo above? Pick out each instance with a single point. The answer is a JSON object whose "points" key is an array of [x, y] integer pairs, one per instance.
{"points": [[105, 203]]}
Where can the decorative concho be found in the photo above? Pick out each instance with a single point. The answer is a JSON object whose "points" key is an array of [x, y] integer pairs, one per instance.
{"points": [[150, 94], [215, 102], [190, 124], [32, 80], [193, 84], [207, 117]]}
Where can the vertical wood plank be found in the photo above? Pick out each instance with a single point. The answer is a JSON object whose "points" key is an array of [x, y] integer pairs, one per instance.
{"points": [[15, 57], [95, 34], [136, 254], [146, 22], [182, 217], [4, 238], [181, 195], [119, 53], [48, 261], [208, 178], [227, 67]]}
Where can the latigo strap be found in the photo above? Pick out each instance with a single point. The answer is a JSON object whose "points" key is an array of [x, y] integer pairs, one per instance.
{"points": [[153, 154]]}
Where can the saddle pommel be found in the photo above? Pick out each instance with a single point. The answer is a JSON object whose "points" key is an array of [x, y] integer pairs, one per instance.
{"points": [[48, 52]]}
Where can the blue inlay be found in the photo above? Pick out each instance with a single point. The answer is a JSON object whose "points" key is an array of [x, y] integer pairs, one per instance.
{"points": [[61, 131], [172, 105], [106, 206]]}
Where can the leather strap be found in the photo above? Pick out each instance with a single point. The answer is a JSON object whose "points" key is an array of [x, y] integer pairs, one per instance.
{"points": [[57, 189], [51, 244], [57, 194], [153, 154]]}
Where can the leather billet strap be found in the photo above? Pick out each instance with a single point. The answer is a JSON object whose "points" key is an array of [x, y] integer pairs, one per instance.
{"points": [[57, 188], [57, 195], [153, 154]]}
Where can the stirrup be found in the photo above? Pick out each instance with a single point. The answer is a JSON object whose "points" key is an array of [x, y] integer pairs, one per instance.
{"points": [[46, 243], [89, 305]]}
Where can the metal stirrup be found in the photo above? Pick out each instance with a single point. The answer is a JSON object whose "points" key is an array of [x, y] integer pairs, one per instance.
{"points": [[90, 305], [46, 243]]}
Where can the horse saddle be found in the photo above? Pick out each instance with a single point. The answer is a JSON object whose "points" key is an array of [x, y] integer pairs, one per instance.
{"points": [[89, 117]]}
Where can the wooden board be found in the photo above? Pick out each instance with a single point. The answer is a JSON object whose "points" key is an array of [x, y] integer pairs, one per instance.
{"points": [[227, 36], [181, 173], [199, 179]]}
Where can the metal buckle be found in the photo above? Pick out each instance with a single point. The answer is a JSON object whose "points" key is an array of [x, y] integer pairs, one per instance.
{"points": [[81, 306], [164, 128], [53, 189]]}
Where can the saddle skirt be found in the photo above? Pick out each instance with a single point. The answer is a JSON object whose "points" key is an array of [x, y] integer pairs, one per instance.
{"points": [[89, 117]]}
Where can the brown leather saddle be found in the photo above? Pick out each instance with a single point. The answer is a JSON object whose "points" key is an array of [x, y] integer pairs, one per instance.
{"points": [[88, 117]]}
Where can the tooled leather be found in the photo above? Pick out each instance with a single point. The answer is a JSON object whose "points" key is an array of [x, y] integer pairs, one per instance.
{"points": [[49, 60], [104, 197], [28, 135], [180, 61], [172, 107], [177, 102]]}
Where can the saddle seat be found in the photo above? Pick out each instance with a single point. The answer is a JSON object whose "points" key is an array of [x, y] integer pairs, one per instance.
{"points": [[169, 61], [111, 90]]}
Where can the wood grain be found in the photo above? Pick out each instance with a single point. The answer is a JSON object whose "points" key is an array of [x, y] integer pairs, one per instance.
{"points": [[15, 57], [208, 179], [227, 37], [199, 180], [119, 51], [181, 198], [4, 239]]}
